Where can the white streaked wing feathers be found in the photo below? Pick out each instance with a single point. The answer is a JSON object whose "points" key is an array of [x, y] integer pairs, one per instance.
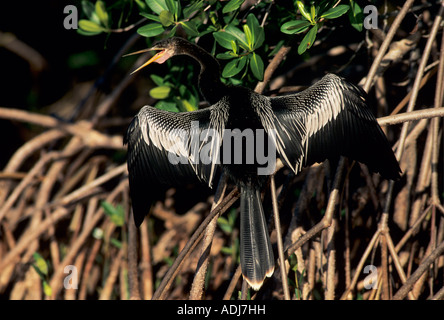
{"points": [[175, 135], [308, 112]]}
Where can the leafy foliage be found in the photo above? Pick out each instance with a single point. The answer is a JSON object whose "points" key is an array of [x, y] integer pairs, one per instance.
{"points": [[242, 39], [116, 214], [314, 15], [41, 266]]}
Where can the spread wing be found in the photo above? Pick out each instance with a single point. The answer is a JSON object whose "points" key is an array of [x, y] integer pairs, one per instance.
{"points": [[330, 119], [172, 148]]}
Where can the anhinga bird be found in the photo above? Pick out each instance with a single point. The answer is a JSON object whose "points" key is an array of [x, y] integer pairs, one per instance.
{"points": [[328, 120]]}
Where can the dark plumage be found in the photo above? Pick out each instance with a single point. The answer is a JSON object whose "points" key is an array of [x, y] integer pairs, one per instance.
{"points": [[327, 120]]}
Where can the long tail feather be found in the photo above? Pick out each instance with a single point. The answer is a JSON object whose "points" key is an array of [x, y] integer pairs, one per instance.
{"points": [[256, 255]]}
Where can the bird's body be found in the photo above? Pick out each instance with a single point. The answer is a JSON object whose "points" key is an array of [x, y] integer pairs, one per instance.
{"points": [[327, 120], [242, 117]]}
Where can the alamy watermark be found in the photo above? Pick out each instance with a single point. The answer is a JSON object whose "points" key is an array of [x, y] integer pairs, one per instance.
{"points": [[371, 281], [71, 280], [371, 17], [71, 20], [244, 147]]}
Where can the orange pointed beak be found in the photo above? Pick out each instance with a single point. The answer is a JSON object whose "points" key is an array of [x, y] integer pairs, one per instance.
{"points": [[160, 57]]}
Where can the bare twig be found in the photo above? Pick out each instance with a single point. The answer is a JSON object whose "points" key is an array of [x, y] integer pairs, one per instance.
{"points": [[383, 49], [83, 129], [423, 267], [272, 66], [36, 61], [199, 279], [112, 276], [331, 262], [133, 278], [233, 282], [56, 280], [166, 282], [279, 240], [327, 219], [30, 176]]}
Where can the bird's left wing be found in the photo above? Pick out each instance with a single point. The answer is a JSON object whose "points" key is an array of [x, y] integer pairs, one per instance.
{"points": [[172, 148], [331, 119]]}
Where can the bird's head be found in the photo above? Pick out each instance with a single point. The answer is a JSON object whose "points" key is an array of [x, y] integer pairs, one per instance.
{"points": [[167, 48]]}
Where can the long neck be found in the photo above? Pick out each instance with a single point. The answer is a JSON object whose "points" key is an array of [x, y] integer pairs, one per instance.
{"points": [[209, 78]]}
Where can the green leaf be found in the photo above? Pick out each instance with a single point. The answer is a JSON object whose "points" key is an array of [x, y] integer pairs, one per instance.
{"points": [[294, 27], [193, 97], [151, 30], [178, 9], [47, 290], [116, 214], [90, 11], [222, 220], [248, 37], [115, 242], [224, 39], [232, 6], [187, 105], [323, 6], [234, 47], [276, 49], [182, 91], [87, 33], [195, 6], [142, 5], [225, 55], [172, 6], [234, 67], [308, 40], [90, 26], [167, 106], [161, 92], [355, 15], [173, 31], [238, 34], [312, 12], [303, 11], [166, 18], [190, 28], [257, 31], [101, 13], [335, 12], [257, 66], [226, 250], [157, 5], [157, 79], [82, 59], [259, 38], [40, 263], [150, 16], [224, 225]]}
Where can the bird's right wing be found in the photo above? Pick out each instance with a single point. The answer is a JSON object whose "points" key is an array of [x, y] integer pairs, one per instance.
{"points": [[172, 148], [328, 120]]}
